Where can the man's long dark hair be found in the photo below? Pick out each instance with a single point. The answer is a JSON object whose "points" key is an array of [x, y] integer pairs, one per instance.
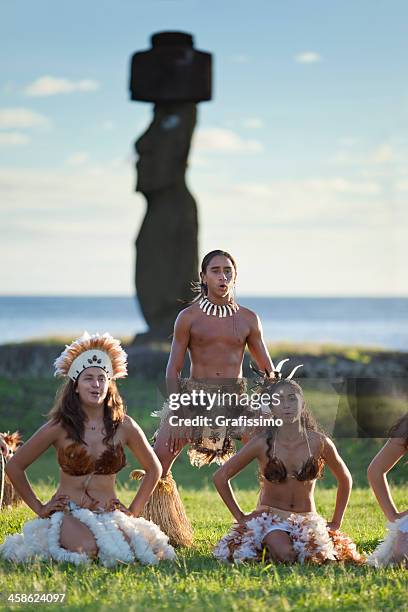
{"points": [[200, 287]]}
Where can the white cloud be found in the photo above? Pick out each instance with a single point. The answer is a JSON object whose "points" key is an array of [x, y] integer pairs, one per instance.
{"points": [[108, 125], [312, 186], [78, 159], [347, 141], [344, 158], [20, 117], [223, 141], [240, 58], [58, 219], [13, 139], [9, 87], [402, 186], [66, 190], [328, 203], [253, 123], [327, 235], [308, 57], [50, 86], [309, 261], [382, 154], [342, 185]]}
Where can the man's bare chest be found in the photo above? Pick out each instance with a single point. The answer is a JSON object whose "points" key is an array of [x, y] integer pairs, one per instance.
{"points": [[228, 331]]}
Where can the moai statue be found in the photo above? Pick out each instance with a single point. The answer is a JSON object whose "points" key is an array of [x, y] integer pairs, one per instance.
{"points": [[174, 76]]}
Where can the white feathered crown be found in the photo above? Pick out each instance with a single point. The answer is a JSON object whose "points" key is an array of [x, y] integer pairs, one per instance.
{"points": [[90, 351]]}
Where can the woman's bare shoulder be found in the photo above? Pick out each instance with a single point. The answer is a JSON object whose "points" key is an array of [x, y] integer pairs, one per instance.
{"points": [[260, 441], [52, 428], [317, 436], [54, 431], [129, 426], [319, 440]]}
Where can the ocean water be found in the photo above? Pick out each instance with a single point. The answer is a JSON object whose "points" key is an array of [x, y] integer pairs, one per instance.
{"points": [[376, 322]]}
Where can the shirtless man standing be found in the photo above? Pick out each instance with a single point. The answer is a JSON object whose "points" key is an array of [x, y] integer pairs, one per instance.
{"points": [[215, 331]]}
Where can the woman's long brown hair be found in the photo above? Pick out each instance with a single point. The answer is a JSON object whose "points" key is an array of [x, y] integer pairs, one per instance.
{"points": [[275, 469], [68, 411]]}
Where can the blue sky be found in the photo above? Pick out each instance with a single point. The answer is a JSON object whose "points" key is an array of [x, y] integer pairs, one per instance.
{"points": [[299, 163]]}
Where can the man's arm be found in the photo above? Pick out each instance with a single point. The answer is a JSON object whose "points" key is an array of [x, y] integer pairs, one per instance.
{"points": [[181, 339], [256, 345]]}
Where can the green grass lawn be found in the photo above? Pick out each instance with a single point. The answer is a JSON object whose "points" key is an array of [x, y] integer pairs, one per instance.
{"points": [[197, 581]]}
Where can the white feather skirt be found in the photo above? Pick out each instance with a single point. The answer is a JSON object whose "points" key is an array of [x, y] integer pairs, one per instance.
{"points": [[40, 539], [383, 554]]}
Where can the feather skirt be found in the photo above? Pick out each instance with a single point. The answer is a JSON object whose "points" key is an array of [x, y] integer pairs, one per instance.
{"points": [[312, 541], [383, 554], [40, 539]]}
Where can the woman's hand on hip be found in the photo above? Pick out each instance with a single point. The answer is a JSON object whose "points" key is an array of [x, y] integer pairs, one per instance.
{"points": [[57, 503]]}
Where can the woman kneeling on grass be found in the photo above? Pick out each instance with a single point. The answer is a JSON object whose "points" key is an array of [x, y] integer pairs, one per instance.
{"points": [[89, 429], [394, 549], [291, 457]]}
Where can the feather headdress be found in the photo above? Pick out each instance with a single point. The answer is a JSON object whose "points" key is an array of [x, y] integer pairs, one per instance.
{"points": [[90, 351]]}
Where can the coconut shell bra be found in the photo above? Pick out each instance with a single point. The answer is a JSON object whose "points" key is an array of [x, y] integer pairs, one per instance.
{"points": [[312, 463], [75, 460]]}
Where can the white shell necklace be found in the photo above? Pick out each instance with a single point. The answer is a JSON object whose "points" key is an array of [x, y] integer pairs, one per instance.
{"points": [[227, 310]]}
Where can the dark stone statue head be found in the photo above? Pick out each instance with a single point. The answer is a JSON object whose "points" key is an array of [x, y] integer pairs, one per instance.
{"points": [[171, 71]]}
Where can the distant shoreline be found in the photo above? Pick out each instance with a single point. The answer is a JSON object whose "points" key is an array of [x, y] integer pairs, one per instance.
{"points": [[320, 360], [379, 323]]}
